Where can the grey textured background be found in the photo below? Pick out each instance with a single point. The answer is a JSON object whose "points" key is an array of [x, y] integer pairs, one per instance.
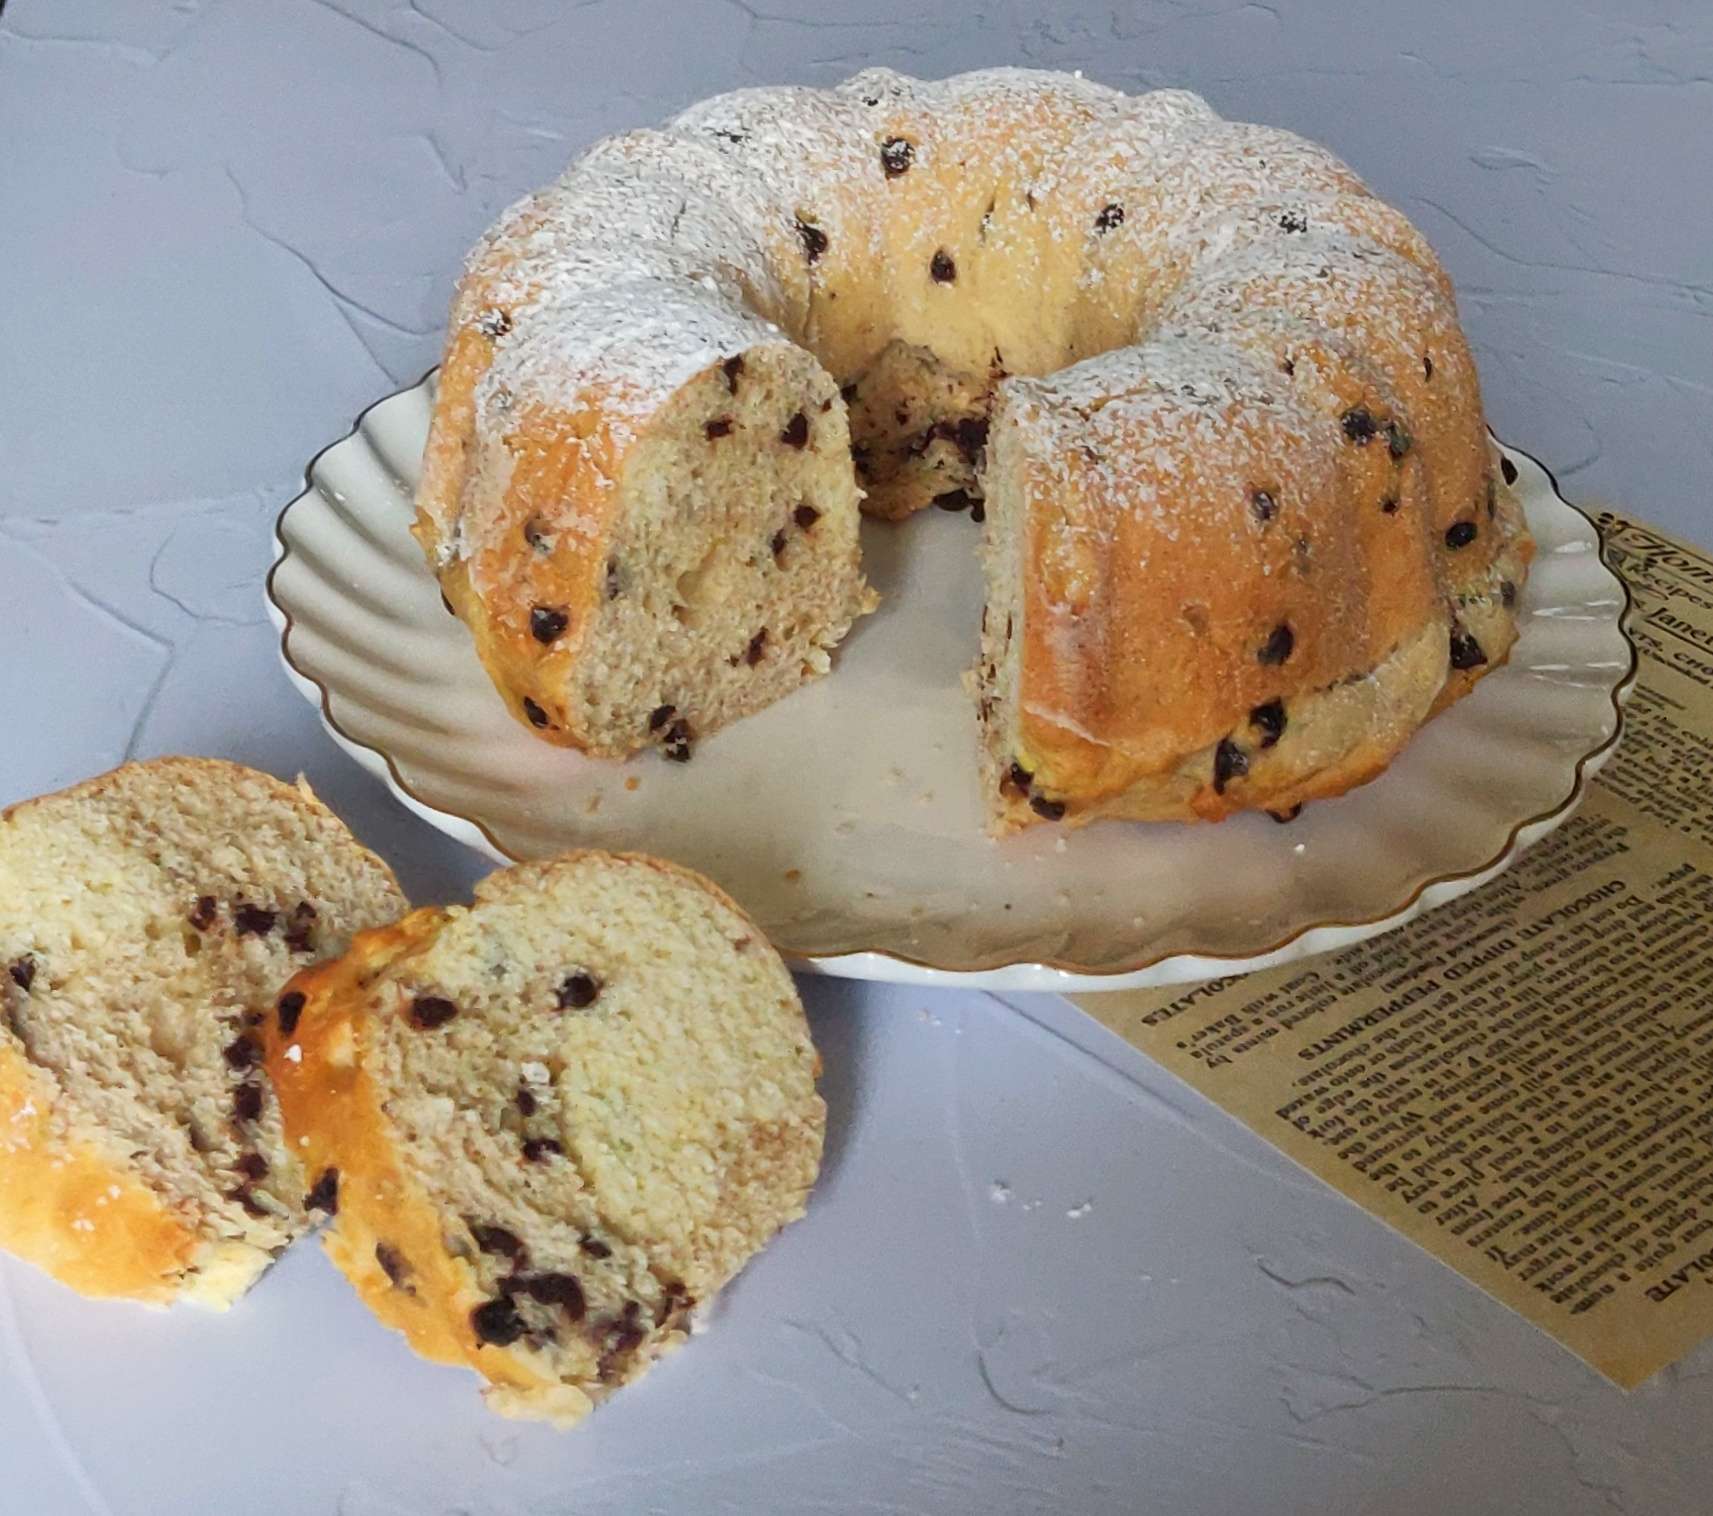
{"points": [[227, 225]]}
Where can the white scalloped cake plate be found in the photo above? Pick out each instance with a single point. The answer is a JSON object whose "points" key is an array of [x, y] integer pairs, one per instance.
{"points": [[846, 817]]}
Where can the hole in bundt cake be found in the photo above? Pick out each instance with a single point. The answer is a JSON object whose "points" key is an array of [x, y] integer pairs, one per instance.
{"points": [[1460, 534]]}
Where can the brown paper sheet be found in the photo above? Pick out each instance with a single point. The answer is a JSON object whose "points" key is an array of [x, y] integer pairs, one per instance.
{"points": [[1521, 1082]]}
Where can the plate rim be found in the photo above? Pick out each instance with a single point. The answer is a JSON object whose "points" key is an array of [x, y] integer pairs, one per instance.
{"points": [[1021, 972]]}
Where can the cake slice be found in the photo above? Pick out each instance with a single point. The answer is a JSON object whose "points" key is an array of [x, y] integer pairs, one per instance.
{"points": [[147, 920], [549, 1123]]}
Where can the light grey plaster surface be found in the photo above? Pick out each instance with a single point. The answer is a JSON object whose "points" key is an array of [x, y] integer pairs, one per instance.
{"points": [[1040, 1276]]}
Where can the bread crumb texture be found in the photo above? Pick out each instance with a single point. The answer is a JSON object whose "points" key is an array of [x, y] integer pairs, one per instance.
{"points": [[554, 1120], [147, 920]]}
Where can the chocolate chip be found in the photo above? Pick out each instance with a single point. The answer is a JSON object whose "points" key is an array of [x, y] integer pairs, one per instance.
{"points": [[525, 1101], [23, 972], [796, 433], [493, 323], [547, 625], [1466, 652], [895, 156], [1048, 810], [497, 1240], [1460, 534], [252, 1166], [253, 920], [290, 1008], [393, 1265], [578, 990], [563, 1290], [1263, 505], [1427, 366], [1507, 592], [660, 715], [246, 1197], [726, 134], [203, 912], [720, 426], [624, 1336], [968, 433], [497, 1323], [1269, 719], [1291, 815], [298, 924], [537, 716], [1018, 778], [1110, 216], [1229, 762], [978, 511], [805, 516], [777, 542], [954, 500], [1359, 425], [1293, 221], [612, 578], [594, 1247], [535, 1149], [324, 1194], [1277, 647], [941, 267], [1398, 441], [678, 741], [430, 1011], [247, 1102], [242, 1053], [1389, 505], [814, 240], [731, 368], [757, 644], [674, 1297], [1508, 469]]}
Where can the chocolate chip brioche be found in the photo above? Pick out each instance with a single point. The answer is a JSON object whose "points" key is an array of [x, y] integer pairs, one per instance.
{"points": [[547, 1124], [147, 920], [1242, 528]]}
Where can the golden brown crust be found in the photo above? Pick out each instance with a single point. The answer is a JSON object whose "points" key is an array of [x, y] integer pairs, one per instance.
{"points": [[333, 1114], [75, 1212]]}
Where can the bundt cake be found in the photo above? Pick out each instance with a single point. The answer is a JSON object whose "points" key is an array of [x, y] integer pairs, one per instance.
{"points": [[548, 1124], [1242, 530]]}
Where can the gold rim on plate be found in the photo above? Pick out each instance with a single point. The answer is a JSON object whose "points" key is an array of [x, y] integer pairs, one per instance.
{"points": [[1394, 914]]}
